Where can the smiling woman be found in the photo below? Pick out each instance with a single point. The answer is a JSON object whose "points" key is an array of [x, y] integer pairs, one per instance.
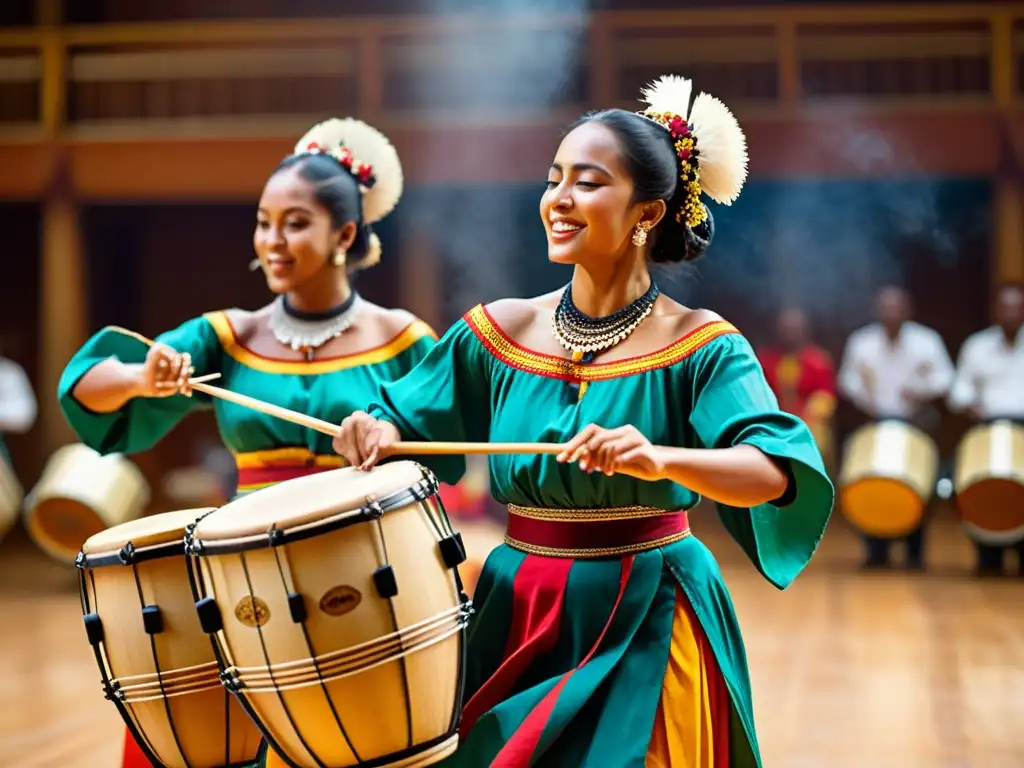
{"points": [[317, 348], [604, 634]]}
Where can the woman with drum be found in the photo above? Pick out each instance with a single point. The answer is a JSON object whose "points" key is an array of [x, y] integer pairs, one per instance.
{"points": [[604, 634], [318, 347]]}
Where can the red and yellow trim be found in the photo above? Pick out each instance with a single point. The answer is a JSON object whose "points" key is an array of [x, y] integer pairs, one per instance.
{"points": [[259, 469], [499, 344], [228, 337]]}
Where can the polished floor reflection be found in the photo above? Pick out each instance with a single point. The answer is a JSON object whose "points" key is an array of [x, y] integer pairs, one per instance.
{"points": [[850, 670]]}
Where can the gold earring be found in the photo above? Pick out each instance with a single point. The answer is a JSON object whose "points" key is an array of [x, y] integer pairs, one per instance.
{"points": [[640, 235], [339, 257]]}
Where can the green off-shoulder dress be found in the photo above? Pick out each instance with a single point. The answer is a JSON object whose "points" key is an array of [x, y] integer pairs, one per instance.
{"points": [[574, 662]]}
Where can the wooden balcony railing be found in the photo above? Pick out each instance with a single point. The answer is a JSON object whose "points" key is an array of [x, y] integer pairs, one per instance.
{"points": [[265, 78]]}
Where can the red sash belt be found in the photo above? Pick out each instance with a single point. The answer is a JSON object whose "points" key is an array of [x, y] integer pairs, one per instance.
{"points": [[593, 533]]}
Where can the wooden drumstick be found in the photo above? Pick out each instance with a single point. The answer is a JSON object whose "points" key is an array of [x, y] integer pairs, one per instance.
{"points": [[401, 447]]}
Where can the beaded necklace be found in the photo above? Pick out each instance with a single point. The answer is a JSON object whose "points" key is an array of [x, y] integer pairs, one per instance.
{"points": [[584, 336]]}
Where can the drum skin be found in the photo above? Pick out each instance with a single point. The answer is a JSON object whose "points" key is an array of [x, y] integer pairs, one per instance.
{"points": [[79, 494], [207, 721], [989, 483], [359, 677], [888, 476]]}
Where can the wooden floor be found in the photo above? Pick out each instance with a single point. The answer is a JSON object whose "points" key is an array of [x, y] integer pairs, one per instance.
{"points": [[850, 670]]}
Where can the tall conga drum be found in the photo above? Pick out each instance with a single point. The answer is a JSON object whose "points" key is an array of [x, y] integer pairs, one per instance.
{"points": [[79, 494], [989, 482], [156, 663], [11, 496], [338, 615], [888, 476]]}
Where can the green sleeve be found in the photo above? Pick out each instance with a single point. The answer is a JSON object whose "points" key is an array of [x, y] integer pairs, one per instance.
{"points": [[732, 405], [143, 421], [445, 397]]}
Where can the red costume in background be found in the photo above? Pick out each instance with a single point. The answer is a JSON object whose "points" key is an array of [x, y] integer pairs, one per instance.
{"points": [[805, 384]]}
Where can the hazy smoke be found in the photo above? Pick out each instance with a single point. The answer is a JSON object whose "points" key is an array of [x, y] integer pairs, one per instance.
{"points": [[511, 68], [828, 245]]}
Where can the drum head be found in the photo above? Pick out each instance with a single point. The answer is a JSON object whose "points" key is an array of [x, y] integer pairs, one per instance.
{"points": [[145, 532], [307, 500], [882, 507]]}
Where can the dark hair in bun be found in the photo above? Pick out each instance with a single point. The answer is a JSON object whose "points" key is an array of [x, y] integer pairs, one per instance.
{"points": [[652, 163]]}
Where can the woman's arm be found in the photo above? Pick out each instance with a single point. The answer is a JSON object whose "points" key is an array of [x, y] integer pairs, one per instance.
{"points": [[741, 476]]}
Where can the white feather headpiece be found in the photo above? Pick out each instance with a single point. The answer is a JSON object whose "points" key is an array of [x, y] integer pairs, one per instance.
{"points": [[719, 148], [366, 147]]}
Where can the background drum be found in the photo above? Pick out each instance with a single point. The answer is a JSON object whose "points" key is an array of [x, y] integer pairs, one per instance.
{"points": [[887, 478], [989, 483], [79, 494], [338, 615], [155, 661], [11, 496]]}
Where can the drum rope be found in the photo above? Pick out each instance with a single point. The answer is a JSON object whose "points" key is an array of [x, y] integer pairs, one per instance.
{"points": [[266, 656], [289, 587], [276, 687], [156, 663], [370, 647]]}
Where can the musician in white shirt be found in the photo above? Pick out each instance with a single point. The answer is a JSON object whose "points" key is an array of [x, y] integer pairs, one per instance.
{"points": [[18, 407], [893, 369], [990, 385]]}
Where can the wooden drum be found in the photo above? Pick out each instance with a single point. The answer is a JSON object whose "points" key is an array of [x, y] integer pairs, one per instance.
{"points": [[989, 483], [80, 494], [156, 664], [888, 476], [338, 615], [11, 495]]}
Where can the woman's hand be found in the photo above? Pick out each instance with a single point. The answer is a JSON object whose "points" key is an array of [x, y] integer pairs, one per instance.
{"points": [[622, 451], [165, 373], [364, 440]]}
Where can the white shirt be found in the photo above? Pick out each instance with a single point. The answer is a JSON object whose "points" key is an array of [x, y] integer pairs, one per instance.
{"points": [[990, 375], [875, 373], [17, 400]]}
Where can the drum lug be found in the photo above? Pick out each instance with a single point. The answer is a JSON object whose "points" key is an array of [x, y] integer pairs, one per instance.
{"points": [[127, 554], [385, 581], [231, 681], [373, 510], [453, 551]]}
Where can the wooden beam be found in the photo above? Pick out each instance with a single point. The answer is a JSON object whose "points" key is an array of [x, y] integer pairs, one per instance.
{"points": [[854, 146]]}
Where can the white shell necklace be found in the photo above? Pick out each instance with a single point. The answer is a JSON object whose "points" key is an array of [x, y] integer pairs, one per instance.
{"points": [[303, 330]]}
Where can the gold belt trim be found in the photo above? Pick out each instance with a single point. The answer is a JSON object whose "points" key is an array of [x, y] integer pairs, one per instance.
{"points": [[582, 553], [583, 515]]}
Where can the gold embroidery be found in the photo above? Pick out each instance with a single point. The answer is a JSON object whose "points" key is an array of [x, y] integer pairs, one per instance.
{"points": [[527, 360], [579, 554], [226, 334], [586, 515]]}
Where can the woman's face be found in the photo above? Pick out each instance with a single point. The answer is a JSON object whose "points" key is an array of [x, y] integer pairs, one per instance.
{"points": [[588, 209], [294, 238]]}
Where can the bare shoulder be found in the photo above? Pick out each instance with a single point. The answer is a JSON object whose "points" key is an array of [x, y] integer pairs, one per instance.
{"points": [[389, 322], [245, 323], [516, 316], [685, 320]]}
